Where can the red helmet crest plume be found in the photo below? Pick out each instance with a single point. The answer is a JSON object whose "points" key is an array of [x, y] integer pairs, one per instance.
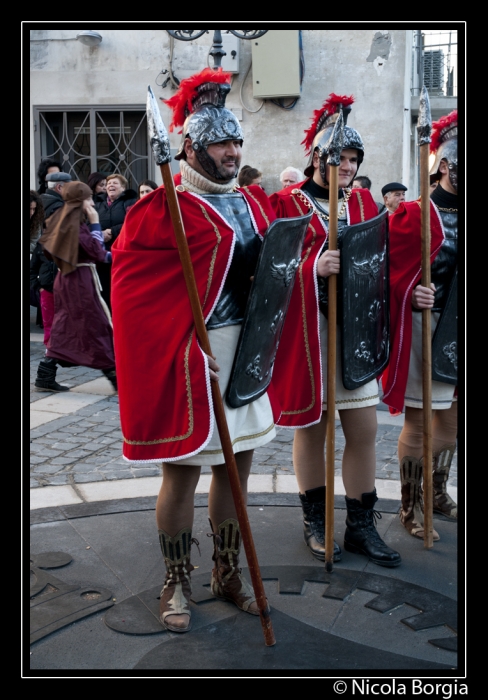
{"points": [[182, 101], [441, 128], [331, 106]]}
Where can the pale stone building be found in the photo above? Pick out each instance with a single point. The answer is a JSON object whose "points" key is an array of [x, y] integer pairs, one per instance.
{"points": [[87, 102]]}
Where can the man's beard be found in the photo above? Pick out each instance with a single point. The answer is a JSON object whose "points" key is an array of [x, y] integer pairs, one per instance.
{"points": [[210, 167], [224, 171]]}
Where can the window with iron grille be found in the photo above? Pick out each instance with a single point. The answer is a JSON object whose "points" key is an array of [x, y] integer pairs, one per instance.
{"points": [[88, 139]]}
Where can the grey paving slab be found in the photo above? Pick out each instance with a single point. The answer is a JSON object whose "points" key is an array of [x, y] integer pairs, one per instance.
{"points": [[113, 545], [89, 440], [57, 443], [355, 619]]}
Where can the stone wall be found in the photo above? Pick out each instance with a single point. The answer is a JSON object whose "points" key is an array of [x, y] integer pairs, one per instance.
{"points": [[372, 65]]}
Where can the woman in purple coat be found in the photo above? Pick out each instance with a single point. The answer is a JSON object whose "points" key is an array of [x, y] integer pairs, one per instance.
{"points": [[81, 333]]}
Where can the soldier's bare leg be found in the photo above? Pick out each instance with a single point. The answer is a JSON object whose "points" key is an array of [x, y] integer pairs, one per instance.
{"points": [[360, 426], [410, 441], [220, 499], [176, 499], [309, 455], [359, 458], [444, 431], [444, 427]]}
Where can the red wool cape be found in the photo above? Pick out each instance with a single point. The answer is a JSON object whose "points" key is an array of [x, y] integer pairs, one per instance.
{"points": [[299, 392], [405, 274], [165, 400]]}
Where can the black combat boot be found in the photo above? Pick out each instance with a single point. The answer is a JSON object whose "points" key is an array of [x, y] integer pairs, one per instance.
{"points": [[110, 374], [46, 376], [313, 505], [361, 536]]}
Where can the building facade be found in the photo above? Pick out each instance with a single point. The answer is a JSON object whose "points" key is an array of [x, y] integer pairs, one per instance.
{"points": [[88, 100]]}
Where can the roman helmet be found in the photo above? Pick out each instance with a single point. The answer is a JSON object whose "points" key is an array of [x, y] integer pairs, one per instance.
{"points": [[318, 134], [199, 107], [444, 144]]}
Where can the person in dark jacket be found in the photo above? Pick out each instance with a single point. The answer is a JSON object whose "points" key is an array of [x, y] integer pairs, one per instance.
{"points": [[52, 199], [36, 219], [97, 182], [35, 231], [42, 274], [112, 210], [46, 167]]}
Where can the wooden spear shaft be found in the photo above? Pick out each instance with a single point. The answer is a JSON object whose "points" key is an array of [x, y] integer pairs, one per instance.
{"points": [[426, 349], [219, 411], [331, 377]]}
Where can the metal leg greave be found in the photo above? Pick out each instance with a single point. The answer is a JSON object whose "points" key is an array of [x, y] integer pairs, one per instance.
{"points": [[443, 503], [176, 592], [412, 505], [227, 581]]}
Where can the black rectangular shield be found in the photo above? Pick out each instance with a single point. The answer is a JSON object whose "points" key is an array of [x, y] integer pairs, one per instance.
{"points": [[444, 342], [268, 302], [364, 285]]}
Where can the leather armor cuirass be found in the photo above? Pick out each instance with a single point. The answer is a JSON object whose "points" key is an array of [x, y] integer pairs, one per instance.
{"points": [[444, 265], [323, 284], [232, 302]]}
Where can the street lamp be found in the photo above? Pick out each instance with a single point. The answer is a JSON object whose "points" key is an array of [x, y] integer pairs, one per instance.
{"points": [[89, 38], [217, 50]]}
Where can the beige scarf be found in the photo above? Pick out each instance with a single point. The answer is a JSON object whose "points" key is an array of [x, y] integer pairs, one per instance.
{"points": [[198, 184]]}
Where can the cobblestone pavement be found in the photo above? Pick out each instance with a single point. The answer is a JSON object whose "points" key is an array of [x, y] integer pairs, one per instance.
{"points": [[85, 446]]}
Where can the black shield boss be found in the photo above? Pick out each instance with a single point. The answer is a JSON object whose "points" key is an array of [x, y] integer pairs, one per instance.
{"points": [[364, 285], [268, 302], [444, 342]]}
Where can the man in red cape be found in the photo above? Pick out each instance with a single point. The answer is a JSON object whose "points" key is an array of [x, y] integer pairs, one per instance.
{"points": [[402, 381], [304, 343], [164, 376]]}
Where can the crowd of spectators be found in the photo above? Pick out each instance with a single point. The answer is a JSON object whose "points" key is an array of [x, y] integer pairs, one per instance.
{"points": [[112, 198]]}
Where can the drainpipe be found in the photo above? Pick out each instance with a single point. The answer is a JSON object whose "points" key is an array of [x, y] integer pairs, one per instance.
{"points": [[407, 115]]}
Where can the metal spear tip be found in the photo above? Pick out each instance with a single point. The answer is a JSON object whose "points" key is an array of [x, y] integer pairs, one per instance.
{"points": [[424, 123], [158, 135], [335, 143]]}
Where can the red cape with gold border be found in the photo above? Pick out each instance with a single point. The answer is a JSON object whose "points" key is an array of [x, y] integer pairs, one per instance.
{"points": [[405, 274], [165, 401], [299, 390]]}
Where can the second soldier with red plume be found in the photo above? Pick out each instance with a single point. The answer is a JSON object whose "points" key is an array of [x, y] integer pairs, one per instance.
{"points": [[304, 339]]}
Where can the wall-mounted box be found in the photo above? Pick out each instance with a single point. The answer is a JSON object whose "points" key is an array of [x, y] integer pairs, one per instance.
{"points": [[230, 44], [276, 64]]}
